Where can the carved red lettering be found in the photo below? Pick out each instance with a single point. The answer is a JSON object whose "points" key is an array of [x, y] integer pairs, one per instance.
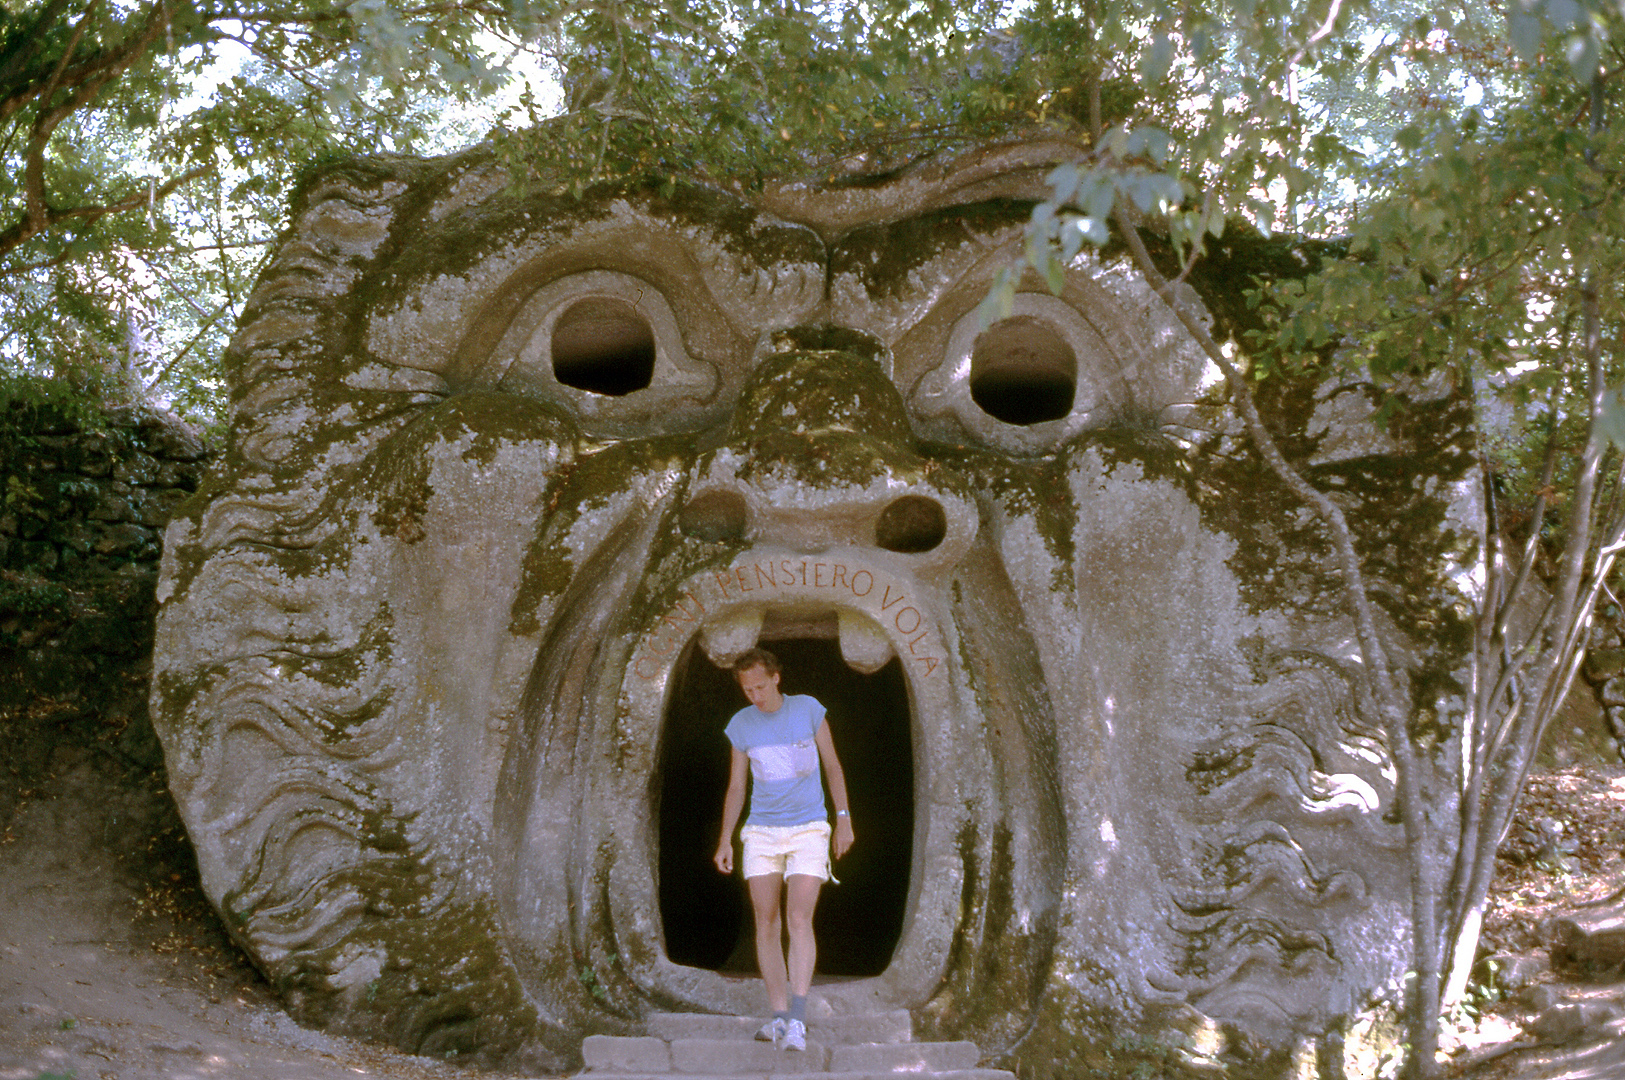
{"points": [[867, 589], [818, 566], [839, 577], [788, 570], [930, 663], [638, 669], [768, 578], [744, 583], [723, 581], [916, 641], [886, 601], [804, 571], [897, 621]]}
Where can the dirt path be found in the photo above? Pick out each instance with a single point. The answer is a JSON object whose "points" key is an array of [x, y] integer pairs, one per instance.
{"points": [[112, 964]]}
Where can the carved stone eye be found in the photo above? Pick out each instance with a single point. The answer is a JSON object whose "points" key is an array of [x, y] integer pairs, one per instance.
{"points": [[602, 345], [1023, 372]]}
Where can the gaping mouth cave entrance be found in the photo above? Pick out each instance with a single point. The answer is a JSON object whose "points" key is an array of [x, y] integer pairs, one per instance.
{"points": [[706, 915]]}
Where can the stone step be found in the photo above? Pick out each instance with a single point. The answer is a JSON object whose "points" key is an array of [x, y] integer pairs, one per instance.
{"points": [[951, 1074], [913, 1057], [895, 1026], [619, 1054], [734, 1056]]}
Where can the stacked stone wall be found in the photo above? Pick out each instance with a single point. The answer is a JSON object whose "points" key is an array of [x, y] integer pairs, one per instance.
{"points": [[83, 505]]}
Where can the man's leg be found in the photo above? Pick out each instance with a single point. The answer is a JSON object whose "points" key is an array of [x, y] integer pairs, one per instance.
{"points": [[802, 899], [764, 901]]}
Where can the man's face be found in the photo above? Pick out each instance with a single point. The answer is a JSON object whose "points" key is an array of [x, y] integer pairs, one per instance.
{"points": [[761, 689]]}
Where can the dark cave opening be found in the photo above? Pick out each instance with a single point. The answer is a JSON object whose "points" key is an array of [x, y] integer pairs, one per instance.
{"points": [[705, 915]]}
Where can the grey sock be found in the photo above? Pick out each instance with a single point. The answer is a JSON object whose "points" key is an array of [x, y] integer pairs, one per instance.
{"points": [[780, 1014], [798, 1008]]}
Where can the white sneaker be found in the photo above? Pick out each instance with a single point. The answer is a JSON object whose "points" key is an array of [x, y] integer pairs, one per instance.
{"points": [[795, 1035], [772, 1031]]}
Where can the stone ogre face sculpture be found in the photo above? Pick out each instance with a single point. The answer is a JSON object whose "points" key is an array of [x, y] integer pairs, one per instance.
{"points": [[511, 475]]}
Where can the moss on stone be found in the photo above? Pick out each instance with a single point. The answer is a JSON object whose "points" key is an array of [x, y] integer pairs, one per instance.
{"points": [[884, 255], [577, 486]]}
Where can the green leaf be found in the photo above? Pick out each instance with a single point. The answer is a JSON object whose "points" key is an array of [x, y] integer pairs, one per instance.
{"points": [[1611, 419], [1102, 196], [1000, 300], [1583, 57], [1524, 31], [1153, 142], [1563, 13], [1063, 182], [1158, 58], [1072, 237]]}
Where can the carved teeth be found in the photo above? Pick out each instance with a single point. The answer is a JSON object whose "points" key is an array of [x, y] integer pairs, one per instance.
{"points": [[864, 646], [725, 637]]}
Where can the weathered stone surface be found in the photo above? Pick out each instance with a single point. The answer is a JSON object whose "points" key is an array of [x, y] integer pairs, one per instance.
{"points": [[76, 596], [625, 1053], [909, 1057], [1510, 971], [1572, 1021], [1604, 664], [724, 1056], [1589, 942], [510, 471]]}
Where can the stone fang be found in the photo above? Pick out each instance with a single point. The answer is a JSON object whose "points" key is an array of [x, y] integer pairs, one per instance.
{"points": [[864, 646]]}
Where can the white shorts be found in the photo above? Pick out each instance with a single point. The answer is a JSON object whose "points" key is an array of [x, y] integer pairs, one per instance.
{"points": [[787, 849]]}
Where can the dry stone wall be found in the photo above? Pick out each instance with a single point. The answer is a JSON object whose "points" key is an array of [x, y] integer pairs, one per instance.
{"points": [[82, 510]]}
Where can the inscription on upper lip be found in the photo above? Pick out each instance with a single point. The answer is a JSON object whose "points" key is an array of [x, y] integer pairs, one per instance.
{"points": [[852, 583]]}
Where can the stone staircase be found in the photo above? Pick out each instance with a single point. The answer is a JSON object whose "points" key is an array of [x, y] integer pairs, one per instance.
{"points": [[878, 1046]]}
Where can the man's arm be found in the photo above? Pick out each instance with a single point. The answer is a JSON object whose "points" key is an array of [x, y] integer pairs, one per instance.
{"points": [[842, 837], [732, 804]]}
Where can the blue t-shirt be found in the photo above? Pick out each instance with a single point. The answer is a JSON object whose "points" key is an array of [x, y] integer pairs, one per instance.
{"points": [[787, 786]]}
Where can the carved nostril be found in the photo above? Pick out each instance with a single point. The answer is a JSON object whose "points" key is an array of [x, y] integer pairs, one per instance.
{"points": [[716, 517], [911, 524]]}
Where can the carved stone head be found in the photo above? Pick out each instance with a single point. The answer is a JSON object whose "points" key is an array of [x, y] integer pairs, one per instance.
{"points": [[441, 673]]}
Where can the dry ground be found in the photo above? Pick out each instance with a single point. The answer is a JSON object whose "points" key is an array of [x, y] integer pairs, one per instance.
{"points": [[113, 966]]}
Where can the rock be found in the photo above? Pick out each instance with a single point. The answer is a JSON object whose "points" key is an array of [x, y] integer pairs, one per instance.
{"points": [[123, 539], [1604, 664], [91, 455], [1573, 1021], [137, 468], [441, 666], [115, 504], [1613, 691], [1510, 971], [1539, 997], [1589, 943]]}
